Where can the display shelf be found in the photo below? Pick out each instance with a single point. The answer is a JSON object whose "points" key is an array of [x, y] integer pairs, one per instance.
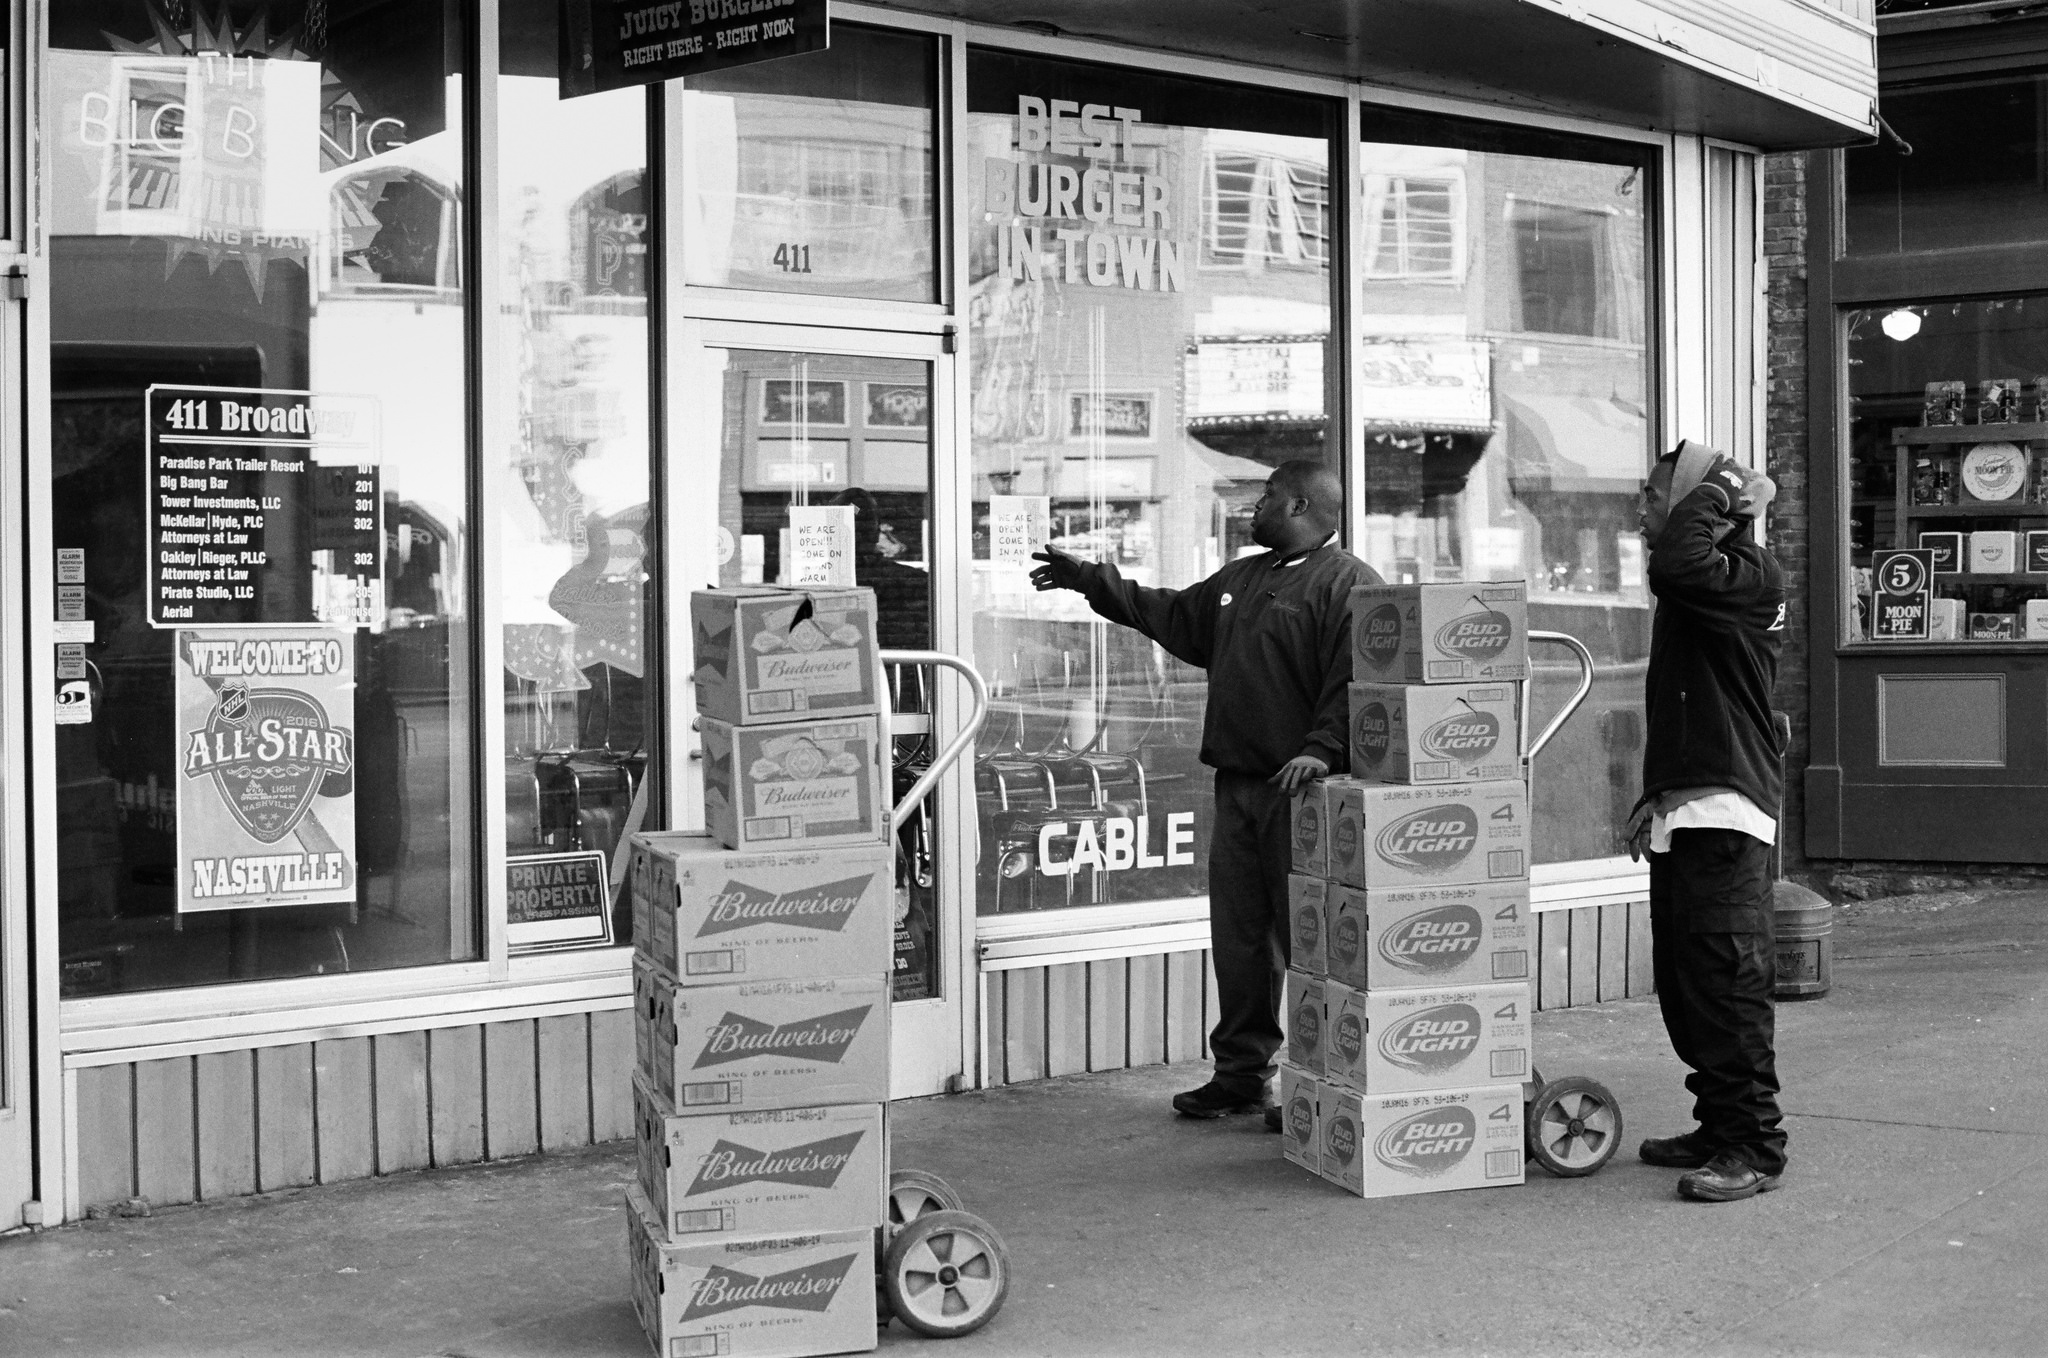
{"points": [[1925, 434], [2017, 579], [1978, 509]]}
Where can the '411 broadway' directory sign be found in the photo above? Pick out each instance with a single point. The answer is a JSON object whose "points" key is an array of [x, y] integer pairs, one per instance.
{"points": [[264, 508]]}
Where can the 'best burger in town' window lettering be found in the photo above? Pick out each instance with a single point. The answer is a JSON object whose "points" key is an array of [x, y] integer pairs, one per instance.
{"points": [[1104, 221]]}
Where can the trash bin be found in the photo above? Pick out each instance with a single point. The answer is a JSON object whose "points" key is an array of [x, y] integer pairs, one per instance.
{"points": [[1806, 943]]}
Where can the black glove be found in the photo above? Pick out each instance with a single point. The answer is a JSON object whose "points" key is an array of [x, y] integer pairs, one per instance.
{"points": [[1060, 571]]}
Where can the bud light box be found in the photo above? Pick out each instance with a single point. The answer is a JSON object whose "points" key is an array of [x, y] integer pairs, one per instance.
{"points": [[772, 1173], [1392, 1145], [1300, 1137], [779, 1297], [1462, 633], [801, 784], [1304, 1020], [768, 654], [1400, 1041], [1435, 733], [762, 1044], [1418, 937], [1442, 834], [1308, 900], [1313, 815], [708, 915]]}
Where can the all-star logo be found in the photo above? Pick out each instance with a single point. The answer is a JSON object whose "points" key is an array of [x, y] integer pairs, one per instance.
{"points": [[1463, 737], [1435, 940], [1479, 635], [268, 749], [1379, 636], [1434, 839], [1434, 1040], [814, 1165], [1348, 1037], [1370, 733], [824, 1038], [826, 907], [1428, 1143], [810, 1288]]}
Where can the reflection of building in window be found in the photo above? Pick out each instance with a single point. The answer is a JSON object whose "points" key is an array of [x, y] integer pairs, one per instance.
{"points": [[812, 187], [1566, 278], [1414, 226], [394, 228], [1260, 210]]}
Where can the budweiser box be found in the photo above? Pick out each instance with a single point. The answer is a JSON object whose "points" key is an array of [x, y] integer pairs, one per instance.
{"points": [[791, 1169], [783, 1296], [1442, 834], [767, 654], [1300, 1137], [1307, 934], [1305, 1020], [1392, 1145], [1434, 733], [1418, 937], [707, 914], [804, 783], [1440, 634], [762, 1044], [1400, 1041]]}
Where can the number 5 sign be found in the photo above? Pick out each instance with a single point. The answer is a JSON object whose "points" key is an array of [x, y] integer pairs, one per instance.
{"points": [[1900, 581]]}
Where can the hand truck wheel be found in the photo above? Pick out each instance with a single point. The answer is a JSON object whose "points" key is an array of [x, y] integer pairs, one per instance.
{"points": [[946, 1274], [913, 1192], [1573, 1126]]}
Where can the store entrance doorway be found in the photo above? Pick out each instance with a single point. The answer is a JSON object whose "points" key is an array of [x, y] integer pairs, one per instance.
{"points": [[777, 420], [17, 1120]]}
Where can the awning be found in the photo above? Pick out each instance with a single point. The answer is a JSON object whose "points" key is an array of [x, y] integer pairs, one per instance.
{"points": [[1583, 444]]}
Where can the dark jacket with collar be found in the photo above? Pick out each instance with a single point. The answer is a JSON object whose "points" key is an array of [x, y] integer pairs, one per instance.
{"points": [[1274, 634]]}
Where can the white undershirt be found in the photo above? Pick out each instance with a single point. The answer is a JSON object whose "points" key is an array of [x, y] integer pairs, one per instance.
{"points": [[1728, 810]]}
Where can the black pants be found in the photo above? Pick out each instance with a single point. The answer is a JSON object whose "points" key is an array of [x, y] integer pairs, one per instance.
{"points": [[1714, 939], [1249, 855]]}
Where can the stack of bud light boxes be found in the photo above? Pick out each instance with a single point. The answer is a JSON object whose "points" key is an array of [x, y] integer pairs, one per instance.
{"points": [[761, 994], [1408, 999]]}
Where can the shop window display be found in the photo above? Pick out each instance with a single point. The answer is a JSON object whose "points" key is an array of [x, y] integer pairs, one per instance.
{"points": [[1973, 175], [259, 485]]}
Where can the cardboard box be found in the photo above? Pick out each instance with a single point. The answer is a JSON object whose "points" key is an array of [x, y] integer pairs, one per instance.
{"points": [[773, 1173], [1300, 1135], [1347, 829], [1389, 1146], [1308, 814], [779, 1297], [2037, 620], [1308, 900], [707, 915], [1420, 937], [1948, 551], [1944, 619], [1994, 551], [762, 1044], [1441, 633], [766, 655], [1441, 834], [2035, 559], [1994, 626], [1305, 1026], [1435, 733], [801, 784], [1400, 1041]]}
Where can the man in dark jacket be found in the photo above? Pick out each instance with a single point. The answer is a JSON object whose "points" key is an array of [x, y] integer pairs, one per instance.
{"points": [[1274, 632], [1708, 814]]}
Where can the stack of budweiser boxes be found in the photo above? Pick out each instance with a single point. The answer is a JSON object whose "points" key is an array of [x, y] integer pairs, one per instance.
{"points": [[761, 994], [1408, 996]]}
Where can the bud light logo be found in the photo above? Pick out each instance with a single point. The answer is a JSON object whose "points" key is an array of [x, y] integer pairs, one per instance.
{"points": [[1434, 839], [1369, 734], [1433, 941], [1308, 1023], [1344, 841], [1480, 635], [1344, 939], [1379, 636], [1308, 825], [1428, 1143], [1348, 1038], [810, 1288], [1340, 1142], [1308, 927], [1433, 1041], [1301, 1120], [1463, 738]]}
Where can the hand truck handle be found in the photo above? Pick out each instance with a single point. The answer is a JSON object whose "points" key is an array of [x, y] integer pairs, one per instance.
{"points": [[1532, 748], [977, 714]]}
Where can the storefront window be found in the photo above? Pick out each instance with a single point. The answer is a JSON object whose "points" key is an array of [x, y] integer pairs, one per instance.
{"points": [[816, 174], [573, 544], [259, 491], [1973, 177], [1505, 400], [1948, 471], [1150, 320]]}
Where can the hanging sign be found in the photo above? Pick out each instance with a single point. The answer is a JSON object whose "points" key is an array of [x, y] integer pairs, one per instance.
{"points": [[1901, 585], [612, 44], [263, 508], [266, 768]]}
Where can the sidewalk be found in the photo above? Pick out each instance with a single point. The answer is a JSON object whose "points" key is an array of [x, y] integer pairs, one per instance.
{"points": [[1912, 1221]]}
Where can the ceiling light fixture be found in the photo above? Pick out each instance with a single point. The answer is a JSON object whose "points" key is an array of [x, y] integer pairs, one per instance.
{"points": [[1902, 324]]}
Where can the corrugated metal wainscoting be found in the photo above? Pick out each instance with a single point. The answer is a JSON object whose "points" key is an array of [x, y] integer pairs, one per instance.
{"points": [[221, 1124]]}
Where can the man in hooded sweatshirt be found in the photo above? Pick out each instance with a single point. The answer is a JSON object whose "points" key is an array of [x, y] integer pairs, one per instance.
{"points": [[1708, 813]]}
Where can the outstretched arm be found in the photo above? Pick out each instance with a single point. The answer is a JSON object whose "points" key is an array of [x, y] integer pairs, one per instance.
{"points": [[1181, 620]]}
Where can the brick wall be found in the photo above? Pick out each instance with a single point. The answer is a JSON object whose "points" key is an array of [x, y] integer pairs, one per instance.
{"points": [[1785, 451]]}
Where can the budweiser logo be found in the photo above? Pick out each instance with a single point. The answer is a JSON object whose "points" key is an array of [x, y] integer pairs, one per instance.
{"points": [[1348, 1037], [1344, 939], [1428, 1143], [1369, 733], [1434, 839], [1301, 1120], [1434, 1040], [1340, 1139], [1464, 737], [1433, 940], [816, 1165], [1379, 636], [824, 1038], [825, 907], [714, 653], [810, 1288], [1308, 926], [1479, 635]]}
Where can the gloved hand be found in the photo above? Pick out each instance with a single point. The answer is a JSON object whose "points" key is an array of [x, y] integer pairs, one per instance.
{"points": [[1737, 492], [1637, 836], [1303, 768], [1060, 570]]}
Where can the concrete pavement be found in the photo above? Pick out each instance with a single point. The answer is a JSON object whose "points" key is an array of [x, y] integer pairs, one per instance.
{"points": [[1912, 1221]]}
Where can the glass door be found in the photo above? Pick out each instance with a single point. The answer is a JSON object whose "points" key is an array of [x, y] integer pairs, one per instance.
{"points": [[774, 421]]}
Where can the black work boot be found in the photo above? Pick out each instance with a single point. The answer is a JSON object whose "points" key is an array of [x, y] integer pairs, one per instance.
{"points": [[1214, 1100], [1726, 1178], [1689, 1151]]}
